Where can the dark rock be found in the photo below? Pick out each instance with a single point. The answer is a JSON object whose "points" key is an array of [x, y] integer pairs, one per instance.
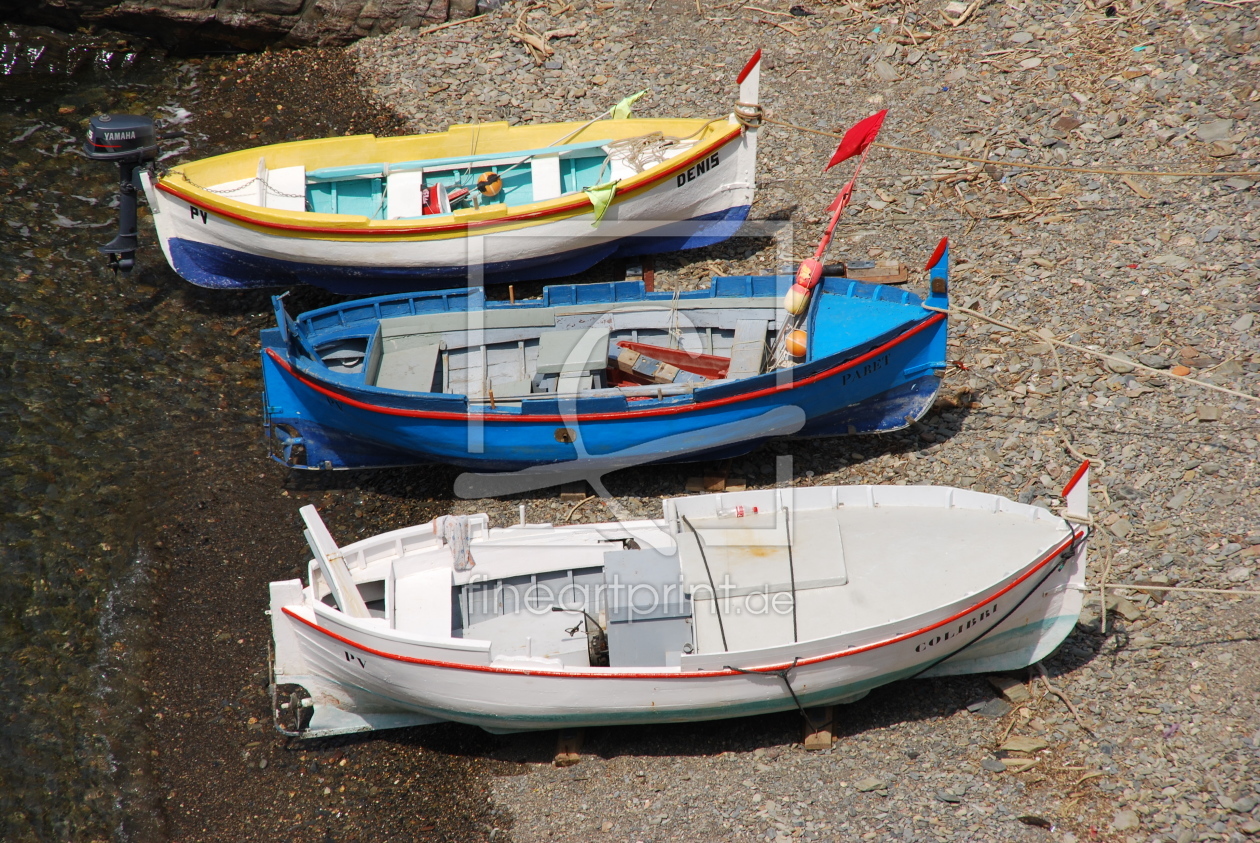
{"points": [[990, 708], [195, 25]]}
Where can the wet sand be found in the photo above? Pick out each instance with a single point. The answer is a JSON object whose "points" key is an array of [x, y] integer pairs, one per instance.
{"points": [[217, 768]]}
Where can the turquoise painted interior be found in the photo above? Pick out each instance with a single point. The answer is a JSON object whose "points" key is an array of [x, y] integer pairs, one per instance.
{"points": [[350, 196], [518, 186], [580, 172], [360, 189]]}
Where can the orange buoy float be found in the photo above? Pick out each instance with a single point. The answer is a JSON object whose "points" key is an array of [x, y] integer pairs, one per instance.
{"points": [[489, 184], [797, 343], [796, 300], [809, 273]]}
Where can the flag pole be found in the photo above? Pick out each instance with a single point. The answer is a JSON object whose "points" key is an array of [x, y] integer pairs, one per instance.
{"points": [[798, 299]]}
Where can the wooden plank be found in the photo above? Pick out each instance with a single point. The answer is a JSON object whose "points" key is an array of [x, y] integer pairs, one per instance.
{"points": [[432, 323], [412, 370], [286, 189], [422, 603], [748, 349], [546, 177], [331, 562], [663, 318], [821, 735], [712, 482], [573, 351], [1010, 688], [568, 747], [716, 303], [403, 197]]}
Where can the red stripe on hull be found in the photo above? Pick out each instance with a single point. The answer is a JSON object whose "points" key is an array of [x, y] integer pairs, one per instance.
{"points": [[633, 414], [1050, 557]]}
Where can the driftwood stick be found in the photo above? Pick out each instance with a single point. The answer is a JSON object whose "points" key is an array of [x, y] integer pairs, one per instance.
{"points": [[578, 506], [1045, 679], [1010, 727], [449, 23]]}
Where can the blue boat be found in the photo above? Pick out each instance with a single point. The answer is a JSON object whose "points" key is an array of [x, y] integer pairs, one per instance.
{"points": [[595, 377]]}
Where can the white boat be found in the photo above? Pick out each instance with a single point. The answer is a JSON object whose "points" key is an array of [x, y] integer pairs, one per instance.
{"points": [[729, 605], [483, 203]]}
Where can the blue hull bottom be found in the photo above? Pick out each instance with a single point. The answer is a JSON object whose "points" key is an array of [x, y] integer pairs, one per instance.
{"points": [[328, 448], [226, 269]]}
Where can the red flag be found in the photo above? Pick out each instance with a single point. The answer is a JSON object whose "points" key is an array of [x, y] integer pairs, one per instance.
{"points": [[842, 198], [857, 139]]}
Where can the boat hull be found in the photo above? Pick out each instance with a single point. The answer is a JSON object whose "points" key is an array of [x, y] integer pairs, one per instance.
{"points": [[216, 266], [355, 672], [346, 428]]}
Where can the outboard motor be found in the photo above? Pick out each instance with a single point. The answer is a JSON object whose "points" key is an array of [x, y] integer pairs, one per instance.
{"points": [[131, 141]]}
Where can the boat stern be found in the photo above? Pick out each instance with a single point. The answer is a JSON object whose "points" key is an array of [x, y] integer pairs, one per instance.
{"points": [[306, 704]]}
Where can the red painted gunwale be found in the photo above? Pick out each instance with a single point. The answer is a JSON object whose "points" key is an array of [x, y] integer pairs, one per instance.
{"points": [[366, 231], [1049, 557], [630, 414], [1071, 484]]}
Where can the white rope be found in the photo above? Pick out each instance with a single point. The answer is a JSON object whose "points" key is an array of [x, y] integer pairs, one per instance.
{"points": [[1049, 340]]}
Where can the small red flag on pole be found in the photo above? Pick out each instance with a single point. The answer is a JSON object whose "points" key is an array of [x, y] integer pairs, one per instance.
{"points": [[842, 198], [857, 139]]}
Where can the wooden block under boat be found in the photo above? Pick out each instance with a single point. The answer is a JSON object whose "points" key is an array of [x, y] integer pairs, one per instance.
{"points": [[568, 747], [575, 491], [819, 728], [883, 272]]}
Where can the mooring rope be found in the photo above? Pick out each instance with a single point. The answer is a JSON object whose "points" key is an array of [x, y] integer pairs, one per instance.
{"points": [[1049, 340], [754, 115]]}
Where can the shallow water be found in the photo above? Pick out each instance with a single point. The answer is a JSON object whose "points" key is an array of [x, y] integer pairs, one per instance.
{"points": [[88, 398]]}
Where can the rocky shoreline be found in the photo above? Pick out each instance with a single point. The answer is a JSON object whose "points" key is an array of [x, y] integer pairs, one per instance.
{"points": [[1161, 269], [190, 27]]}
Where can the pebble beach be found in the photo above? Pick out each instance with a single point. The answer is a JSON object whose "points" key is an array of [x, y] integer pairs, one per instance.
{"points": [[1161, 273], [1143, 727]]}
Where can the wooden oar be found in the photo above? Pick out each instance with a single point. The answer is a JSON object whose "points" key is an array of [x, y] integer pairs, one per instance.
{"points": [[710, 366]]}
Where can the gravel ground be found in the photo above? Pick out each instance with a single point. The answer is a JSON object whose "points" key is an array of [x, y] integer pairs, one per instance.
{"points": [[1161, 269]]}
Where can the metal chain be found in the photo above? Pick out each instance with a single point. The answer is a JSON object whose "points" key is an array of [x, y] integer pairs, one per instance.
{"points": [[266, 186]]}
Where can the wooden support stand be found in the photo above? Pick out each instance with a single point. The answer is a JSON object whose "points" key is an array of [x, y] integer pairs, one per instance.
{"points": [[645, 271], [883, 272], [574, 491], [823, 720], [1011, 689], [711, 483], [717, 480], [568, 745]]}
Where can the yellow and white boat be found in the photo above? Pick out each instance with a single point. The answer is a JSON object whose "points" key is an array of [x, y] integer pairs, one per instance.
{"points": [[486, 203]]}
